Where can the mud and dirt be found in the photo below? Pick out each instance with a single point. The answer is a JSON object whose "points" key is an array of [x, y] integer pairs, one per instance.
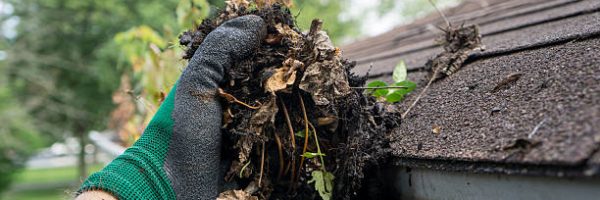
{"points": [[294, 127]]}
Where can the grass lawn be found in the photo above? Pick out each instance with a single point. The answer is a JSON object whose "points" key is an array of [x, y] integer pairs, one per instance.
{"points": [[63, 174], [50, 184], [47, 194]]}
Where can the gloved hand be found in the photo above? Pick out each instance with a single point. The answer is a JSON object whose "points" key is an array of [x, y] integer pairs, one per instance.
{"points": [[178, 155]]}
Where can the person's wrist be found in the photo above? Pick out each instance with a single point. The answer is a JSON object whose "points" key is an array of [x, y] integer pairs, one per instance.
{"points": [[95, 195]]}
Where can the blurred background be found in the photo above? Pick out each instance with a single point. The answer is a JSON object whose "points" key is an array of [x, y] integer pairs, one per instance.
{"points": [[79, 79]]}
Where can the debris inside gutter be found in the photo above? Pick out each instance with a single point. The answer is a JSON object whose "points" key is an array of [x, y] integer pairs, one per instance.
{"points": [[295, 125]]}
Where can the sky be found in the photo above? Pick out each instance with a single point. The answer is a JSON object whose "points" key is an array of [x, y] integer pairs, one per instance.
{"points": [[374, 24], [7, 28]]}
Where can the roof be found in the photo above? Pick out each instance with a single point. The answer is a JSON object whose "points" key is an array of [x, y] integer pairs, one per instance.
{"points": [[546, 120]]}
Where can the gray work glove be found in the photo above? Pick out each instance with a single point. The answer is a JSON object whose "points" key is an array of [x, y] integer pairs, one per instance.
{"points": [[179, 153], [194, 156]]}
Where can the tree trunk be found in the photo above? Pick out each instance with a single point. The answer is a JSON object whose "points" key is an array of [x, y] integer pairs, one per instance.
{"points": [[81, 165]]}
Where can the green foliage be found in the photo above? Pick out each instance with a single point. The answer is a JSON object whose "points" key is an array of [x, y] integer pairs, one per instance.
{"points": [[62, 68], [385, 6], [329, 11], [395, 92], [323, 183], [300, 134], [192, 12], [153, 60], [396, 95], [18, 137], [382, 92], [67, 82], [310, 155], [400, 72]]}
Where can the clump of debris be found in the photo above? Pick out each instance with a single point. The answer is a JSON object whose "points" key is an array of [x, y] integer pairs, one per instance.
{"points": [[294, 125]]}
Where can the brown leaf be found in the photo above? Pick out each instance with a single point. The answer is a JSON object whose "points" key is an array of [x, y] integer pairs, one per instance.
{"points": [[324, 48], [232, 6], [288, 32], [436, 129], [264, 116], [236, 195], [245, 147], [323, 121], [273, 39], [325, 81], [278, 81], [237, 3], [283, 76], [227, 117]]}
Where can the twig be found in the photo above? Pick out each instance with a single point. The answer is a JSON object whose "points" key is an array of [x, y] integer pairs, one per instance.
{"points": [[419, 96], [139, 99], [318, 147], [293, 141], [305, 134], [381, 87], [230, 98], [262, 164], [243, 168], [287, 167], [293, 175], [536, 128], [289, 124], [280, 152], [441, 13]]}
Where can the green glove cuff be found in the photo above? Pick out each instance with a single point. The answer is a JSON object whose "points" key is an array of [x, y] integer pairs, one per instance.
{"points": [[138, 173]]}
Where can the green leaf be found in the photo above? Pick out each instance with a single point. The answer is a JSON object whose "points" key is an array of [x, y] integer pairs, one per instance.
{"points": [[394, 97], [410, 86], [310, 155], [399, 72], [397, 95], [323, 183], [301, 133], [376, 84], [377, 92]]}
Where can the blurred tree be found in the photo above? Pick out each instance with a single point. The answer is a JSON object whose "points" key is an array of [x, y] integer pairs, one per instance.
{"points": [[330, 11], [62, 65], [18, 138], [153, 59]]}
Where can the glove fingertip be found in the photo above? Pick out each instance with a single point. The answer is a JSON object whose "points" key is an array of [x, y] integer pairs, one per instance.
{"points": [[252, 24]]}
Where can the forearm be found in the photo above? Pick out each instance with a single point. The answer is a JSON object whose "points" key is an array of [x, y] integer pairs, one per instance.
{"points": [[95, 195]]}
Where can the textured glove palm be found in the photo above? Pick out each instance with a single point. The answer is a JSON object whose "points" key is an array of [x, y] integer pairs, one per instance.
{"points": [[178, 155]]}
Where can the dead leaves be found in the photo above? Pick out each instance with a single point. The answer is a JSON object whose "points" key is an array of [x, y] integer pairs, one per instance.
{"points": [[288, 64], [283, 77], [325, 81], [265, 3], [324, 48], [458, 43], [326, 78], [264, 116], [232, 6], [236, 195]]}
